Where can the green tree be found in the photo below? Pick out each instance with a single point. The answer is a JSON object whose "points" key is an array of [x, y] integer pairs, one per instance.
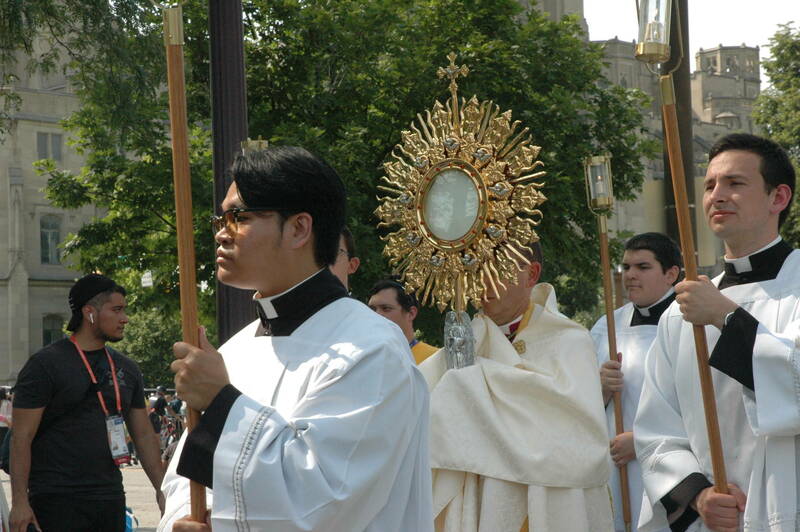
{"points": [[777, 108], [113, 53], [343, 79], [149, 338]]}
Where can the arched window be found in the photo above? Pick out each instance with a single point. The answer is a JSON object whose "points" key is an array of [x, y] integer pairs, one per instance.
{"points": [[50, 232], [52, 329]]}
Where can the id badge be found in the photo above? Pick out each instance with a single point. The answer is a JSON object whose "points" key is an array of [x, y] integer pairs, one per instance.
{"points": [[115, 426]]}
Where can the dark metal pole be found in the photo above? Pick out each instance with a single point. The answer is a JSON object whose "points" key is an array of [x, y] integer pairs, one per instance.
{"points": [[683, 100], [229, 128]]}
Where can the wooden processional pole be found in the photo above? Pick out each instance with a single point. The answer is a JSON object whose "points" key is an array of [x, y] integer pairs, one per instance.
{"points": [[672, 140], [605, 264], [173, 40]]}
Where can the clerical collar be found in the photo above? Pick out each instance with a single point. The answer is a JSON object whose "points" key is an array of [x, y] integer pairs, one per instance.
{"points": [[649, 315], [646, 311], [763, 265], [743, 264], [281, 314], [510, 328]]}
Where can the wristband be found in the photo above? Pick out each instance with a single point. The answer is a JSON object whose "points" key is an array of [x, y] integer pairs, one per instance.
{"points": [[728, 317]]}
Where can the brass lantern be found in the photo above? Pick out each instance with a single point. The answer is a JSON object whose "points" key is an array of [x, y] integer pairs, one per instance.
{"points": [[599, 188], [654, 25]]}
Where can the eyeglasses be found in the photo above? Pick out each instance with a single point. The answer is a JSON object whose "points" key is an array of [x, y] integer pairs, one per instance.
{"points": [[230, 219]]}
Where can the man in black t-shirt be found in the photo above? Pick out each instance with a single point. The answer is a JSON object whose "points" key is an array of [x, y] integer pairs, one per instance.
{"points": [[63, 474]]}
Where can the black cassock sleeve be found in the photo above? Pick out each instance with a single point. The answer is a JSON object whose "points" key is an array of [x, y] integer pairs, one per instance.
{"points": [[681, 496], [197, 458], [733, 354]]}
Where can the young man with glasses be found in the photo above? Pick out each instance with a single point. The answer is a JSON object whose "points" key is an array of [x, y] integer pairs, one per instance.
{"points": [[315, 417]]}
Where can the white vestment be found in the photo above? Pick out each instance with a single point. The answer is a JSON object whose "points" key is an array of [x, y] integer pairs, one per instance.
{"points": [[330, 432], [759, 430], [518, 437], [633, 343]]}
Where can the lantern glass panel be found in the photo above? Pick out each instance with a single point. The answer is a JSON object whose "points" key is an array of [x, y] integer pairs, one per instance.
{"points": [[599, 182], [654, 21]]}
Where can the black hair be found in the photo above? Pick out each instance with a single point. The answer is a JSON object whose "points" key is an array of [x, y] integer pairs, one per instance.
{"points": [[291, 180], [665, 250], [349, 242], [102, 298], [97, 301], [775, 167], [533, 252], [404, 299]]}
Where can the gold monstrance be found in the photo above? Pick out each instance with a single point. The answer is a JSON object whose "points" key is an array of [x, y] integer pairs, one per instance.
{"points": [[463, 189]]}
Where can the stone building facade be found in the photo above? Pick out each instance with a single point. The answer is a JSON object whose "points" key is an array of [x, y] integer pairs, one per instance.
{"points": [[34, 280], [557, 9], [725, 83], [724, 86]]}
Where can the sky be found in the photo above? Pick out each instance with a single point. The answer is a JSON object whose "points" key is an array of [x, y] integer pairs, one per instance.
{"points": [[711, 22]]}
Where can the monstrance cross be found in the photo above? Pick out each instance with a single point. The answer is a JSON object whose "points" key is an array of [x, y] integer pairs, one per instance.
{"points": [[452, 72]]}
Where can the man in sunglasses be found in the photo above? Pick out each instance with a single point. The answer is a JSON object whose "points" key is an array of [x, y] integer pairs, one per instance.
{"points": [[315, 417]]}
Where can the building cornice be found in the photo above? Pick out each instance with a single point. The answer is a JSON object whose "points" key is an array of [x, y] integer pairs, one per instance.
{"points": [[33, 117], [46, 283]]}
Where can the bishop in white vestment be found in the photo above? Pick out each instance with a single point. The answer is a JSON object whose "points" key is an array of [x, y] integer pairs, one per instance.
{"points": [[518, 440]]}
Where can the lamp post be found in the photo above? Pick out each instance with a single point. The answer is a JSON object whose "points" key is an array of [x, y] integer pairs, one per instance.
{"points": [[652, 48], [229, 129], [600, 196]]}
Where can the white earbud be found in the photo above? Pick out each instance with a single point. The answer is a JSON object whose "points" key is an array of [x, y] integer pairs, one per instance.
{"points": [[91, 318]]}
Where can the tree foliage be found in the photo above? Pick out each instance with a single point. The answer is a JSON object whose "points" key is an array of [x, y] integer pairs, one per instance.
{"points": [[346, 78], [149, 338], [777, 109], [342, 79], [113, 53]]}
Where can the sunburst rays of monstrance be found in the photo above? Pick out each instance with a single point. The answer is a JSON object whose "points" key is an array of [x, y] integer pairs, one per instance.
{"points": [[464, 187]]}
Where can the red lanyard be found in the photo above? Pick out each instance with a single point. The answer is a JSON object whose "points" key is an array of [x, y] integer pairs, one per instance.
{"points": [[94, 379]]}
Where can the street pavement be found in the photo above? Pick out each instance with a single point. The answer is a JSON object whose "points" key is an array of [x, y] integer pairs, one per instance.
{"points": [[139, 495]]}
